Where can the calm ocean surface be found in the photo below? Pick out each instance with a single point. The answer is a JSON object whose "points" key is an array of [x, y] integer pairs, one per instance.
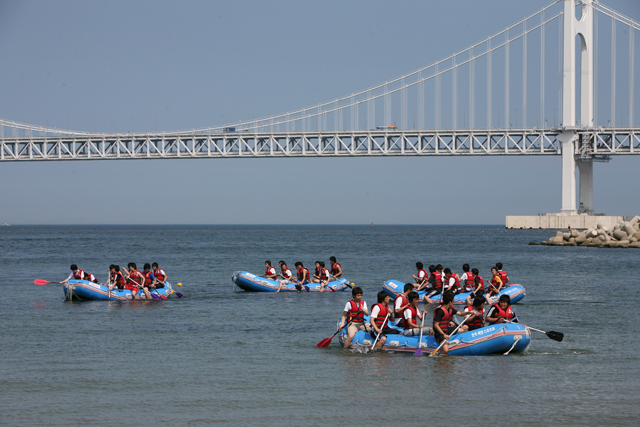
{"points": [[227, 358]]}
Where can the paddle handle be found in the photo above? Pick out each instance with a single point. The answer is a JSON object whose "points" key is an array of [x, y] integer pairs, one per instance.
{"points": [[419, 350], [538, 330], [376, 340]]}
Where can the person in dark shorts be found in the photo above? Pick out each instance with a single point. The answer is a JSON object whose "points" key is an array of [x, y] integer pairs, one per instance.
{"points": [[476, 322], [381, 315], [411, 316], [443, 324]]}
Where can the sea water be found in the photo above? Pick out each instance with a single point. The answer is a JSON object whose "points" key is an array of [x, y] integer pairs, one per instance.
{"points": [[235, 358]]}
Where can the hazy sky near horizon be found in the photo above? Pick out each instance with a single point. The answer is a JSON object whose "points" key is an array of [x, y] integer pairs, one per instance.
{"points": [[146, 65]]}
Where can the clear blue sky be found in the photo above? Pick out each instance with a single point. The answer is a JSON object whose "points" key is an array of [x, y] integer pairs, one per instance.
{"points": [[120, 65]]}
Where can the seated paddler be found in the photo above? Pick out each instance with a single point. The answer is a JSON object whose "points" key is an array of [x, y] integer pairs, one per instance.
{"points": [[353, 315], [502, 311], [381, 315]]}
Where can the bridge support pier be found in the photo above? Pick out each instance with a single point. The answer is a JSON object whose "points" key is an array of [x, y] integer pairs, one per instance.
{"points": [[573, 27], [567, 139], [586, 186]]}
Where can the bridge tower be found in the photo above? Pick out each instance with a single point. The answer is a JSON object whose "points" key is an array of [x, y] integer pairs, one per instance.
{"points": [[577, 28]]}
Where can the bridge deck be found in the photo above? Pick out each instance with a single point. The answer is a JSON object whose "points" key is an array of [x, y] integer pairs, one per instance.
{"points": [[592, 143]]}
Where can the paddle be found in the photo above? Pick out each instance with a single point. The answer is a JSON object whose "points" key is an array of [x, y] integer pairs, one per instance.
{"points": [[556, 336], [452, 333], [42, 282], [325, 342], [383, 323], [419, 350], [178, 294]]}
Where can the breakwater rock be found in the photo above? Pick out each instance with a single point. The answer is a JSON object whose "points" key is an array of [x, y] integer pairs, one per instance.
{"points": [[623, 235]]}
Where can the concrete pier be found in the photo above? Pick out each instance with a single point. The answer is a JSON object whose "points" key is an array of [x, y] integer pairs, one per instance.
{"points": [[559, 221]]}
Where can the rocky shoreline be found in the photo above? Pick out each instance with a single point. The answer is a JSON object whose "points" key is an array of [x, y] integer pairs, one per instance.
{"points": [[624, 235]]}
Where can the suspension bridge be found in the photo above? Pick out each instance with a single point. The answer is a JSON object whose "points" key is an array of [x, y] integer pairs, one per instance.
{"points": [[494, 98]]}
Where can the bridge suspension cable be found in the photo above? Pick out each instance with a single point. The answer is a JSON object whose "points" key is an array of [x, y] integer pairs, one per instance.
{"points": [[443, 81]]}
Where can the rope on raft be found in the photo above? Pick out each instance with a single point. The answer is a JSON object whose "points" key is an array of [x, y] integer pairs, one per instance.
{"points": [[70, 289], [515, 341]]}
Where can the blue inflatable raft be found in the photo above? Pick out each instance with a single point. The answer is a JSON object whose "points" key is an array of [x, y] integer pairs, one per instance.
{"points": [[498, 338], [83, 290], [252, 283], [395, 288]]}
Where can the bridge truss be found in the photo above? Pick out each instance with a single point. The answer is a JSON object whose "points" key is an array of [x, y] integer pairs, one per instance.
{"points": [[594, 144]]}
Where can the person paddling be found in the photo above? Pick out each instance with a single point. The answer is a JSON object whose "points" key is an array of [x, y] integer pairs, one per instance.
{"points": [[303, 276], [78, 274], [478, 289], [285, 272], [324, 276], [336, 268], [354, 312], [502, 311], [503, 274], [381, 315], [270, 272], [451, 282], [412, 315], [435, 283], [149, 278], [443, 324], [116, 279], [135, 281], [316, 273], [466, 280], [401, 303], [496, 281], [160, 275], [476, 322], [421, 277]]}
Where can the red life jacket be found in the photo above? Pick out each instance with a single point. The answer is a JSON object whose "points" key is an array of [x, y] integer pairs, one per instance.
{"points": [[507, 314], [426, 275], [469, 282], [160, 276], [147, 277], [481, 284], [118, 279], [268, 272], [437, 282], [456, 283], [90, 277], [382, 315], [324, 274], [286, 273], [414, 318], [444, 322], [317, 272], [476, 321], [503, 276], [79, 275], [355, 313], [135, 278], [334, 268], [300, 270], [400, 315], [494, 283]]}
